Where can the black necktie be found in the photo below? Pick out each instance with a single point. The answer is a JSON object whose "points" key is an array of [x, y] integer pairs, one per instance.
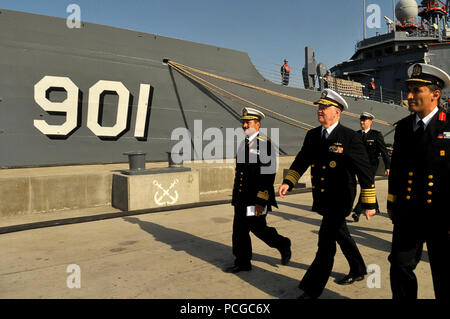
{"points": [[364, 136], [324, 136], [420, 130]]}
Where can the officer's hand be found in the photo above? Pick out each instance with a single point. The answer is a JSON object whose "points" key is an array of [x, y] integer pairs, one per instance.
{"points": [[370, 213], [282, 190], [386, 172], [389, 211], [258, 210]]}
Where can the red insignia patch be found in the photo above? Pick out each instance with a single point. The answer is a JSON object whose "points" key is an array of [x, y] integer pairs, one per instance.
{"points": [[442, 116]]}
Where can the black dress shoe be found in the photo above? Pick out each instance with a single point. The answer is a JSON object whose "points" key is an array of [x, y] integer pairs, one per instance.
{"points": [[236, 268], [349, 279], [355, 217], [286, 253]]}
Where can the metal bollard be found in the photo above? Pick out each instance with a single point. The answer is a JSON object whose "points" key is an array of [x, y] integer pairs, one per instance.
{"points": [[136, 160], [172, 163]]}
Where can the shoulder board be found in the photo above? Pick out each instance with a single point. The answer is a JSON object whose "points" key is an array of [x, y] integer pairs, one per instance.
{"points": [[263, 138]]}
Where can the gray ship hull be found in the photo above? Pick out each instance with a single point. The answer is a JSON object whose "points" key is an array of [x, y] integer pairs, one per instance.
{"points": [[95, 124]]}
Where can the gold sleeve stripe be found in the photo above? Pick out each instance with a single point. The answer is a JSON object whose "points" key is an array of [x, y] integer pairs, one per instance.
{"points": [[264, 195], [293, 174], [368, 196], [391, 198], [368, 200], [292, 179], [368, 191]]}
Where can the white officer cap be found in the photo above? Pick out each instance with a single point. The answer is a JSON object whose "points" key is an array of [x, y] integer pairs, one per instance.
{"points": [[368, 115], [428, 74], [251, 114], [332, 98]]}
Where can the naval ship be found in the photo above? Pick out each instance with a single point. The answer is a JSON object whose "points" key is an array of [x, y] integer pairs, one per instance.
{"points": [[89, 95], [421, 34]]}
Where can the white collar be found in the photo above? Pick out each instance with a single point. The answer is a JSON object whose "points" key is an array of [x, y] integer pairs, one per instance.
{"points": [[252, 137], [426, 120], [330, 129], [367, 130]]}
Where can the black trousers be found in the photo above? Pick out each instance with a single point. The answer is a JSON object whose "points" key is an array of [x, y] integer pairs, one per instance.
{"points": [[406, 253], [332, 230], [242, 225]]}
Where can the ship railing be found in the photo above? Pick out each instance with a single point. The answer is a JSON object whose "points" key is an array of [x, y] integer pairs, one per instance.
{"points": [[271, 71], [358, 90], [385, 95]]}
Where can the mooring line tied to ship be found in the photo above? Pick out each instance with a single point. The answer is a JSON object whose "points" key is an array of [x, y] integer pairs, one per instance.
{"points": [[236, 98], [188, 72]]}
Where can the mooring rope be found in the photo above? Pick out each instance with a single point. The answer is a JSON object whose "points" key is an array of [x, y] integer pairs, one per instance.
{"points": [[231, 96], [184, 68]]}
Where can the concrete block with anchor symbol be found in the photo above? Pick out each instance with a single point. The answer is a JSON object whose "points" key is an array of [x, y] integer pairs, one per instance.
{"points": [[133, 192]]}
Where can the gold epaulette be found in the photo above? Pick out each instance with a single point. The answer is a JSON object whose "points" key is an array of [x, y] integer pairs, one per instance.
{"points": [[262, 138]]}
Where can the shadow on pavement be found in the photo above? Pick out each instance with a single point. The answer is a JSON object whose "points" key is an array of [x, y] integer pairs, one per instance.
{"points": [[219, 255], [359, 233]]}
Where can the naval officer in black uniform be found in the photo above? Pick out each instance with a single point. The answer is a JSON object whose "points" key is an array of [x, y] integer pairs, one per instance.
{"points": [[253, 194], [419, 185], [374, 142], [336, 155]]}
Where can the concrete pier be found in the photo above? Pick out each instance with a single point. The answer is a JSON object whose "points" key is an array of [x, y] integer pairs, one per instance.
{"points": [[181, 253]]}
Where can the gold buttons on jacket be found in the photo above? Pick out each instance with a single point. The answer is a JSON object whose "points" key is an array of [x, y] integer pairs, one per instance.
{"points": [[322, 190], [242, 173], [322, 179], [430, 176], [408, 197], [430, 193], [409, 181], [409, 189], [430, 184], [312, 165], [429, 201], [410, 173], [324, 167]]}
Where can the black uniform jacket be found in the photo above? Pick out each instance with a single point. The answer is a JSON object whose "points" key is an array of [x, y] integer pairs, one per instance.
{"points": [[255, 174], [375, 146], [334, 165], [419, 181]]}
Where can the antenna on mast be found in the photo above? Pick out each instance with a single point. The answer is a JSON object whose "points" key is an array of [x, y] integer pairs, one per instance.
{"points": [[364, 17]]}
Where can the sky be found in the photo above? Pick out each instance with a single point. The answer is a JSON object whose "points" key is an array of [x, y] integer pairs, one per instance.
{"points": [[268, 30]]}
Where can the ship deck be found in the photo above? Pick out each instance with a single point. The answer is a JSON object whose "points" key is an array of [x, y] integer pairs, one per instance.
{"points": [[180, 254]]}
